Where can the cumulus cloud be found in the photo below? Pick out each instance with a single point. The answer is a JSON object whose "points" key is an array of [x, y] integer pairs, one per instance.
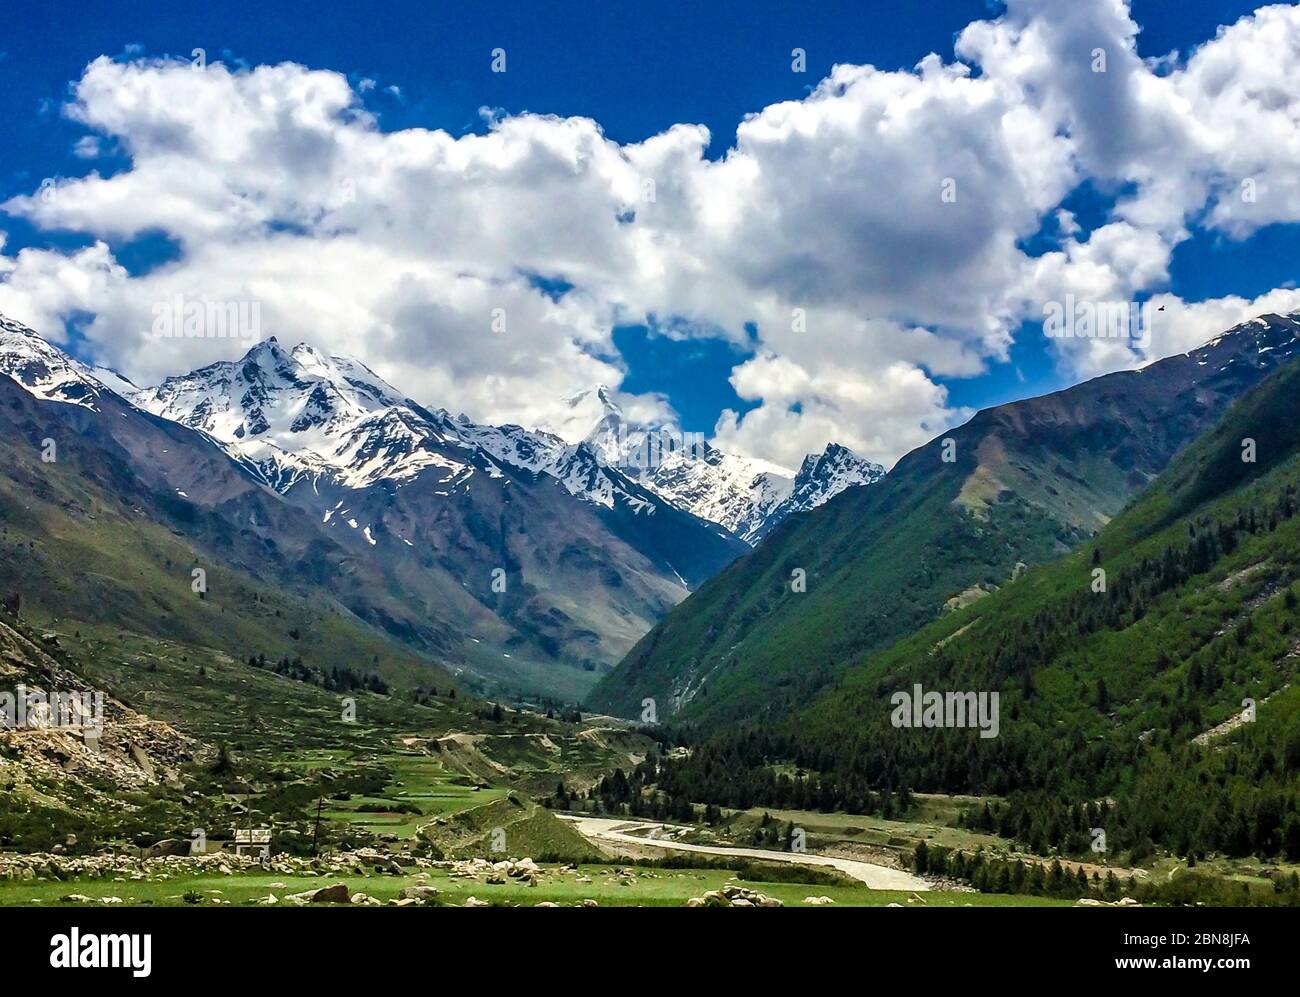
{"points": [[862, 242]]}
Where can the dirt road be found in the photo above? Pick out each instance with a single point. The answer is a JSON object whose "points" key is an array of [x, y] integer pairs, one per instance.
{"points": [[652, 834]]}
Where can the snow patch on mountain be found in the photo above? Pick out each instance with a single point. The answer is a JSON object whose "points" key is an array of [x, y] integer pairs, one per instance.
{"points": [[820, 478], [45, 370], [739, 493], [303, 414]]}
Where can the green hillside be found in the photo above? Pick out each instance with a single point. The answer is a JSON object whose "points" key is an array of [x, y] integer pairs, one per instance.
{"points": [[88, 543], [1117, 707], [1017, 485]]}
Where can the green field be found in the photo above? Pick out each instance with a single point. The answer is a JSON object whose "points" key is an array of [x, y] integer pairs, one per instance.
{"points": [[646, 888]]}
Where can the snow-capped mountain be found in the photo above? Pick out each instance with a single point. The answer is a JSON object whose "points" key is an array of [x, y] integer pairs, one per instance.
{"points": [[746, 495], [594, 555], [820, 478], [300, 415], [737, 493], [511, 554], [43, 369], [297, 414]]}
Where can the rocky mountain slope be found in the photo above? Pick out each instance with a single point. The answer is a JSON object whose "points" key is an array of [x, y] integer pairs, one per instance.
{"points": [[508, 554], [112, 518], [86, 752]]}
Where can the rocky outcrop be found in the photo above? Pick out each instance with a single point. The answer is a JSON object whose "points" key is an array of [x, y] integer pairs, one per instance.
{"points": [[94, 747], [734, 896]]}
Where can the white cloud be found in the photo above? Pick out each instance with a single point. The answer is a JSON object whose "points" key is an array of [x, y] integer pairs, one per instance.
{"points": [[871, 233]]}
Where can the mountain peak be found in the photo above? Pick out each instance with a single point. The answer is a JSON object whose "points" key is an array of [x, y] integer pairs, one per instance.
{"points": [[44, 369], [821, 477], [600, 394]]}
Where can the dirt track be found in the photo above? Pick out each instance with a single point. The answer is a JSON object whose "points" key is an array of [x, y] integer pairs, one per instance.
{"points": [[650, 834]]}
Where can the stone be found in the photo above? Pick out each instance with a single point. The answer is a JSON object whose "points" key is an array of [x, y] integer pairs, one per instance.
{"points": [[169, 846], [336, 894], [420, 894]]}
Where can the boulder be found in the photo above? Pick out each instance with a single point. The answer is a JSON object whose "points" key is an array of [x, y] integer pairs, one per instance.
{"points": [[336, 894], [169, 846]]}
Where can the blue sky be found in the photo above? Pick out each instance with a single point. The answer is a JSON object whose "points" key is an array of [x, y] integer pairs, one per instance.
{"points": [[637, 71]]}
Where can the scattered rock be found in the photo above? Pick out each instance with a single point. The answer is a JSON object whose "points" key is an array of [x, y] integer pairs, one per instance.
{"points": [[418, 894], [734, 896]]}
